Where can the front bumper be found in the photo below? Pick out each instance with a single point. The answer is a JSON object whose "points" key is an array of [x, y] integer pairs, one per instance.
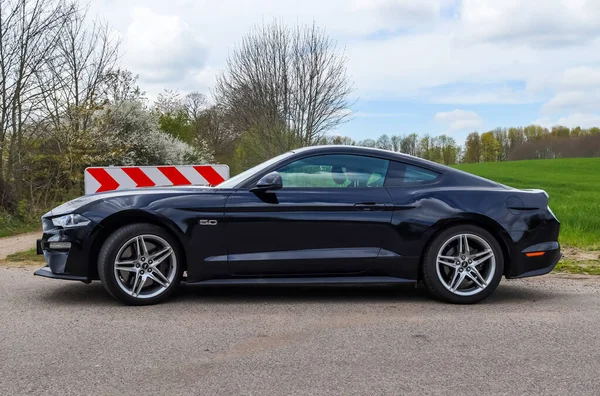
{"points": [[66, 263], [47, 273]]}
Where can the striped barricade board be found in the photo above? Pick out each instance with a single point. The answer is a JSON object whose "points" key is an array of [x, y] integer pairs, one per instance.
{"points": [[99, 179]]}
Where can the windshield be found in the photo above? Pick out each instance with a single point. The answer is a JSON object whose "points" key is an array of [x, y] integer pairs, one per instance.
{"points": [[234, 181]]}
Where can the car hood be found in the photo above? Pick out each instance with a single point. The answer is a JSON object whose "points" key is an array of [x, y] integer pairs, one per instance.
{"points": [[73, 205]]}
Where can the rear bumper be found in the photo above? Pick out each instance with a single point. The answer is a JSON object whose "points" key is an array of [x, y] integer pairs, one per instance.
{"points": [[535, 260], [540, 265]]}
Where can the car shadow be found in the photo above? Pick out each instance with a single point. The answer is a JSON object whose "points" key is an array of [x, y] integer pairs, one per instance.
{"points": [[94, 294]]}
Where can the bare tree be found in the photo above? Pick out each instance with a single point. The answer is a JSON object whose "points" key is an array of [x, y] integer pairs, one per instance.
{"points": [[120, 86], [29, 31], [195, 104], [285, 81], [72, 81]]}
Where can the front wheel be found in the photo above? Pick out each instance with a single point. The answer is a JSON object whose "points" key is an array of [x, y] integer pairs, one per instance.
{"points": [[463, 265], [140, 264]]}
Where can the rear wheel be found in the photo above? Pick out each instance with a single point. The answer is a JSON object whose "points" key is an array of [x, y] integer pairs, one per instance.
{"points": [[140, 264], [463, 265]]}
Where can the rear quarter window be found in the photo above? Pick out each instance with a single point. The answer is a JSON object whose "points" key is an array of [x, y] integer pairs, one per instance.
{"points": [[400, 174]]}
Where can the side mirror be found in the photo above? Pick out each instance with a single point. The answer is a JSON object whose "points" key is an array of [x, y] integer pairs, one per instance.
{"points": [[270, 181]]}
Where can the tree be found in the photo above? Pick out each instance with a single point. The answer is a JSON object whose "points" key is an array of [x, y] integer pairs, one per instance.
{"points": [[73, 79], [130, 134], [424, 147], [435, 150], [173, 116], [384, 142], [473, 148], [212, 127], [195, 103], [120, 86], [85, 56], [368, 143], [396, 143], [515, 137], [449, 149], [409, 144], [577, 131], [490, 147], [338, 140], [534, 132], [282, 81], [30, 31], [501, 136], [560, 131]]}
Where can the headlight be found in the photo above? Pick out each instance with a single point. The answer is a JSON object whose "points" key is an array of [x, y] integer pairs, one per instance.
{"points": [[70, 221]]}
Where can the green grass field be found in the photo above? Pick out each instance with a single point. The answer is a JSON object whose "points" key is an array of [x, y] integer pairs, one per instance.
{"points": [[572, 183]]}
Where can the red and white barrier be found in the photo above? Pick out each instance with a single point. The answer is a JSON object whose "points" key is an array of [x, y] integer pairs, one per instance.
{"points": [[99, 179]]}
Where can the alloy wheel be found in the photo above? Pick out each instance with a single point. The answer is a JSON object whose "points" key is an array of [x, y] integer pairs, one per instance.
{"points": [[145, 266], [465, 264]]}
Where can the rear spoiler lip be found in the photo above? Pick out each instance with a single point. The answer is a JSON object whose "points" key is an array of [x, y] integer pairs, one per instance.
{"points": [[536, 190]]}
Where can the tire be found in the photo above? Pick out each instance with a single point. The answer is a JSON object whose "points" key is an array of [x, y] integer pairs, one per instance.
{"points": [[444, 265], [147, 272]]}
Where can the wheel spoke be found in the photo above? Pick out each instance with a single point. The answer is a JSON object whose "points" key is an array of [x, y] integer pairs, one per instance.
{"points": [[158, 273], [142, 243], [456, 280], [482, 258], [128, 266], [447, 261], [138, 248], [460, 245], [476, 277], [138, 284], [161, 256], [475, 256], [466, 245], [159, 278]]}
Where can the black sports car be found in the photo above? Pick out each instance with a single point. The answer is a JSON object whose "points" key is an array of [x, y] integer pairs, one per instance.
{"points": [[318, 215]]}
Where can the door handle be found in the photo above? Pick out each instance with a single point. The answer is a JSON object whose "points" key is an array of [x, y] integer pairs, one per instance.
{"points": [[369, 206]]}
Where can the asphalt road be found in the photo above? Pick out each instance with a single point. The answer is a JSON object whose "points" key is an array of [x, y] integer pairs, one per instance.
{"points": [[538, 336]]}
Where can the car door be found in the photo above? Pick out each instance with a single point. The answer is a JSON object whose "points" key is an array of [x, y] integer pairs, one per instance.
{"points": [[329, 218]]}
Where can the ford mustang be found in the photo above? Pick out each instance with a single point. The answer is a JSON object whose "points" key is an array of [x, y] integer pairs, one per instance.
{"points": [[317, 215]]}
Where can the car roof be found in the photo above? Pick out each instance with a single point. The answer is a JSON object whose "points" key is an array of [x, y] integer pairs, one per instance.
{"points": [[457, 177], [375, 152]]}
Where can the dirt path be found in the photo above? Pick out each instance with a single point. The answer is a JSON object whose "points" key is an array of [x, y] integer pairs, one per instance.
{"points": [[18, 243]]}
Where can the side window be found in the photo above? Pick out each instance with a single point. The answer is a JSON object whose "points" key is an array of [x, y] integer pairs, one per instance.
{"points": [[331, 171], [402, 174]]}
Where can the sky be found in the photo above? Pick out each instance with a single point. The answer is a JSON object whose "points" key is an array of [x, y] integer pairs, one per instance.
{"points": [[425, 66]]}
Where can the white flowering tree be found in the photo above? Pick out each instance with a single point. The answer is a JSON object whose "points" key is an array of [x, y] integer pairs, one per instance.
{"points": [[128, 133]]}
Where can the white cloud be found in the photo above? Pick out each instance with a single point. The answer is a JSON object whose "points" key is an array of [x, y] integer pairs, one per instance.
{"points": [[459, 119], [535, 22], [581, 78], [485, 95], [572, 120], [576, 89], [396, 14], [162, 48], [380, 115]]}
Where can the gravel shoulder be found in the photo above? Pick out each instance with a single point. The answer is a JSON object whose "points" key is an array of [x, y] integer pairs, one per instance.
{"points": [[18, 243], [533, 336]]}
